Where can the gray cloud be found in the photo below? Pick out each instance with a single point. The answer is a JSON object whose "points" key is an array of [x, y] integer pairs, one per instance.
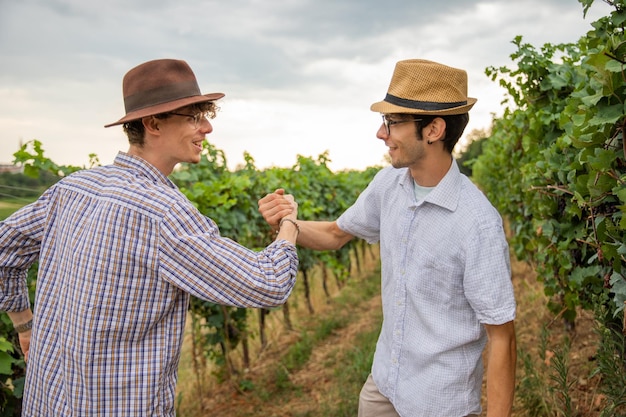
{"points": [[63, 60]]}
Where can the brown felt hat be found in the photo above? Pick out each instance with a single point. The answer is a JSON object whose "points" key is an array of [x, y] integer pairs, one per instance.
{"points": [[425, 87], [160, 86]]}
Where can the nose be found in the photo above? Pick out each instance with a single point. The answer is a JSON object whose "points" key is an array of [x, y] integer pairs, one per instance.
{"points": [[206, 126], [382, 132]]}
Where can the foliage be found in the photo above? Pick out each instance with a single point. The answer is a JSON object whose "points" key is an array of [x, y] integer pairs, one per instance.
{"points": [[611, 361], [467, 159], [18, 186], [554, 164], [12, 365], [31, 157], [9, 393], [555, 167], [230, 198]]}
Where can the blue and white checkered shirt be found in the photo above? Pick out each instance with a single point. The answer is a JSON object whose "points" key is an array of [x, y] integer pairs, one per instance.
{"points": [[445, 272], [120, 249]]}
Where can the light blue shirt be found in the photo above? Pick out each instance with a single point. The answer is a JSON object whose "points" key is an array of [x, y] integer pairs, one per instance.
{"points": [[445, 273]]}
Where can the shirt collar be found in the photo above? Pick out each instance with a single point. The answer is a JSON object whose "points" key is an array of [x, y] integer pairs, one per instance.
{"points": [[143, 167], [446, 193]]}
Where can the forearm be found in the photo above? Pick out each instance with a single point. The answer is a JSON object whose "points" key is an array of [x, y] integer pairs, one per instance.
{"points": [[288, 230], [319, 235], [23, 323], [18, 251], [501, 376], [20, 317]]}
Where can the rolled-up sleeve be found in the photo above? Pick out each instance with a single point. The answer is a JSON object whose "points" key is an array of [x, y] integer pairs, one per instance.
{"points": [[20, 242]]}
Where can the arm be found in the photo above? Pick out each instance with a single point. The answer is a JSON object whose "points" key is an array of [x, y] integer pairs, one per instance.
{"points": [[20, 318], [19, 249], [501, 369], [322, 235], [289, 230], [313, 234]]}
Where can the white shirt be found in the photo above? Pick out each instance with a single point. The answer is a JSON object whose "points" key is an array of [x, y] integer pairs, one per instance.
{"points": [[445, 272]]}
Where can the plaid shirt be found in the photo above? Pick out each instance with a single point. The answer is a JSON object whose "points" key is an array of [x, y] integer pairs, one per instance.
{"points": [[445, 271], [120, 249]]}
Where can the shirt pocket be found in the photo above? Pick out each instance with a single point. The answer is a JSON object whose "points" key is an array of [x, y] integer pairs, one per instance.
{"points": [[437, 280]]}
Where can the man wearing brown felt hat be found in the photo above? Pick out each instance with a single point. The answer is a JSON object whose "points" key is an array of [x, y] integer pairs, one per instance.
{"points": [[120, 251], [446, 279]]}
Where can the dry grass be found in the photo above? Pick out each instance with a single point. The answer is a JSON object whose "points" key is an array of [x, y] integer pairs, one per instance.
{"points": [[319, 387]]}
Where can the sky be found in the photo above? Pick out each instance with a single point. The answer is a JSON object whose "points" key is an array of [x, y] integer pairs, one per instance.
{"points": [[299, 75]]}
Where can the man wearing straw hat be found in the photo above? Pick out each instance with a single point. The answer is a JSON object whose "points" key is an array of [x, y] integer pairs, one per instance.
{"points": [[120, 250], [446, 280]]}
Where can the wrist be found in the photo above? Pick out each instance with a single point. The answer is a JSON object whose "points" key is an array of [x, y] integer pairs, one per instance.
{"points": [[24, 327], [285, 219]]}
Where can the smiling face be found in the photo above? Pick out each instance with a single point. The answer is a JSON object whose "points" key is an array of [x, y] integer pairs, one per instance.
{"points": [[183, 134], [405, 143], [173, 137]]}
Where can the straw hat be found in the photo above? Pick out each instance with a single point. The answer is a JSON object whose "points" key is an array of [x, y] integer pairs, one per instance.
{"points": [[160, 86], [425, 87]]}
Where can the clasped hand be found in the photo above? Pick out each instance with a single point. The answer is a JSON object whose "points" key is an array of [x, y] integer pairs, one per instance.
{"points": [[274, 206]]}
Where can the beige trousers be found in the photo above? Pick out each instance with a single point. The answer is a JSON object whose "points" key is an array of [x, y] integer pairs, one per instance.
{"points": [[374, 404]]}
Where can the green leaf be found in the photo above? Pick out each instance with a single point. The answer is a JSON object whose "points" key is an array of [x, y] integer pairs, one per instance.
{"points": [[6, 363], [607, 115], [618, 287], [5, 345], [580, 274]]}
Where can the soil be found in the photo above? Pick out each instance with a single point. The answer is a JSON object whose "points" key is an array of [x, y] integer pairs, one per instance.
{"points": [[317, 381]]}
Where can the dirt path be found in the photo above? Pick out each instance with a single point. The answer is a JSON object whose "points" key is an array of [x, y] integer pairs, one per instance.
{"points": [[316, 383]]}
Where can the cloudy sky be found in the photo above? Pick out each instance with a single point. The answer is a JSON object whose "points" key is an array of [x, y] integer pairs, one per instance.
{"points": [[299, 75]]}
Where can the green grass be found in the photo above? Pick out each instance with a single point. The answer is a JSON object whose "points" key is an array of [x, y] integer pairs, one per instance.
{"points": [[299, 353], [351, 368], [9, 206], [286, 382], [351, 371]]}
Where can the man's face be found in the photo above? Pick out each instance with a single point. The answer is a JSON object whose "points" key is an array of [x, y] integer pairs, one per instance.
{"points": [[183, 136], [406, 147]]}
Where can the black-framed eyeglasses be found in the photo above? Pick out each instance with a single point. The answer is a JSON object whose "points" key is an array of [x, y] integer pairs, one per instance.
{"points": [[388, 123], [197, 118]]}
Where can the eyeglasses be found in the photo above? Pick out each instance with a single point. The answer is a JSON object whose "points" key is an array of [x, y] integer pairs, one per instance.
{"points": [[197, 118], [388, 123]]}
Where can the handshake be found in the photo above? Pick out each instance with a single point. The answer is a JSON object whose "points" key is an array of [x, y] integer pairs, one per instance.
{"points": [[280, 209]]}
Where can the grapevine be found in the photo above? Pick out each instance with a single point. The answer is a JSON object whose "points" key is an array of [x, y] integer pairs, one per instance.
{"points": [[554, 166]]}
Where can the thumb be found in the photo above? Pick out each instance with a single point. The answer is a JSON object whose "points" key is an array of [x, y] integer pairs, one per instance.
{"points": [[280, 191]]}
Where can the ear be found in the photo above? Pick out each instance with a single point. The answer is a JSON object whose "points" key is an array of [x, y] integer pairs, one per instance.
{"points": [[151, 125], [436, 130]]}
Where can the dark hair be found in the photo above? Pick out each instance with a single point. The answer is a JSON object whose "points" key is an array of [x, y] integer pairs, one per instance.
{"points": [[136, 132], [455, 125]]}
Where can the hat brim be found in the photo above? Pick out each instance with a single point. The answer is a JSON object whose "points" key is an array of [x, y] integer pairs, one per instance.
{"points": [[388, 108], [165, 107]]}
